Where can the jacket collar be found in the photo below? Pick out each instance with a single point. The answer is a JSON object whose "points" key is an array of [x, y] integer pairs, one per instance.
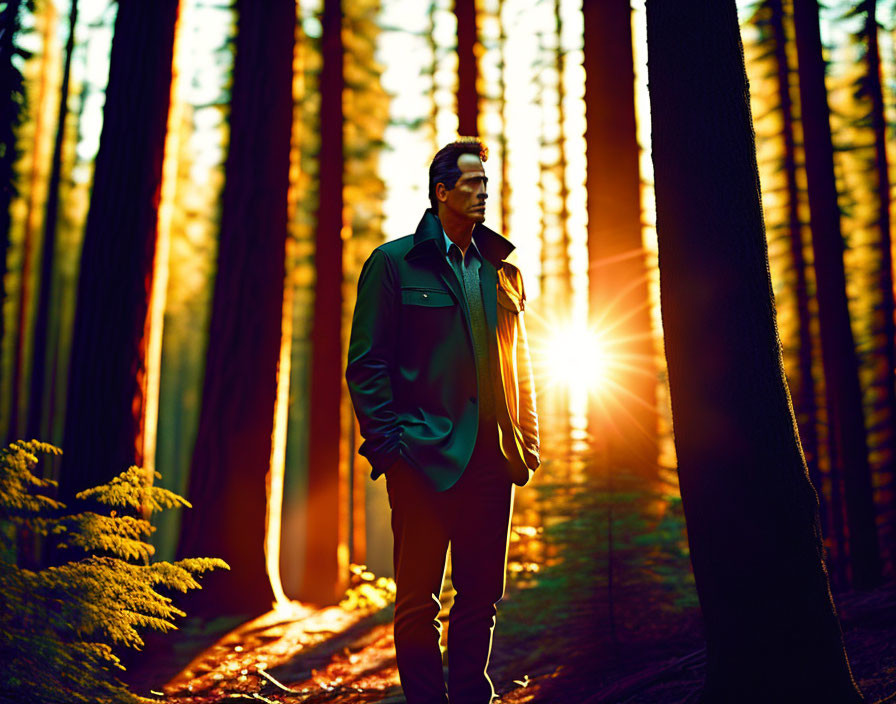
{"points": [[428, 239]]}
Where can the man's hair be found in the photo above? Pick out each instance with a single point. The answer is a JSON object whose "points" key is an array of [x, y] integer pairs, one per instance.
{"points": [[444, 168]]}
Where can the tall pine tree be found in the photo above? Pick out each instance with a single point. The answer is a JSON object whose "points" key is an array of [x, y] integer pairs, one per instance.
{"points": [[849, 451], [752, 515], [106, 388], [40, 373], [883, 326], [324, 575], [232, 453], [617, 271]]}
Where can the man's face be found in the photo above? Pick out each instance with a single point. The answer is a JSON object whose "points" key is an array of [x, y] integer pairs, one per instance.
{"points": [[466, 200]]}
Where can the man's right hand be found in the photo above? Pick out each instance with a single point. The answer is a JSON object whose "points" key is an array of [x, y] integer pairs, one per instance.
{"points": [[371, 361]]}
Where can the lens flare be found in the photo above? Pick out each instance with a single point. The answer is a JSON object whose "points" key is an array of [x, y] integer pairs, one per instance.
{"points": [[577, 357]]}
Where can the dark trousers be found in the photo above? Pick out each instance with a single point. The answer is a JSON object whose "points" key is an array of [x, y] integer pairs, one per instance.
{"points": [[473, 516]]}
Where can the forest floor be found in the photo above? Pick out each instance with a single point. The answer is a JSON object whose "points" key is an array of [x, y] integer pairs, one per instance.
{"points": [[599, 608], [341, 656]]}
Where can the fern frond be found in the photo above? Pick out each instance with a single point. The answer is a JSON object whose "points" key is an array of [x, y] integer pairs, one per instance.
{"points": [[121, 536], [127, 489], [180, 575], [18, 482], [161, 498], [130, 489]]}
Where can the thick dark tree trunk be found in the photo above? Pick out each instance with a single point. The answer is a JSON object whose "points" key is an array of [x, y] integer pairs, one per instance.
{"points": [[40, 374], [752, 515], [323, 574], [467, 68], [233, 443], [844, 394], [619, 301], [106, 387]]}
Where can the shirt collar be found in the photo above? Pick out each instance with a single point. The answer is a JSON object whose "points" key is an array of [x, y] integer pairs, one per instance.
{"points": [[448, 244]]}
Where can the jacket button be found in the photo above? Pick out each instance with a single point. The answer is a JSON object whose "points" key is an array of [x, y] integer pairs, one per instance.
{"points": [[472, 399]]}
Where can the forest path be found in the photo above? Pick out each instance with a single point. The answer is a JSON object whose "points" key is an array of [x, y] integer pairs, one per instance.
{"points": [[339, 656], [298, 654]]}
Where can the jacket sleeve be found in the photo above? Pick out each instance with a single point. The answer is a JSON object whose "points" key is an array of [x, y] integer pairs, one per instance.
{"points": [[371, 357], [528, 417]]}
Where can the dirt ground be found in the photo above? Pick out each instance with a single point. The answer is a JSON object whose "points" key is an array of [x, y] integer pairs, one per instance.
{"points": [[600, 608], [343, 656]]}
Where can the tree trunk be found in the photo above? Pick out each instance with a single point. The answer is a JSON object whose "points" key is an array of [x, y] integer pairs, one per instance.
{"points": [[323, 576], [844, 394], [233, 443], [752, 515], [467, 69], [617, 273], [40, 373], [105, 400], [39, 107]]}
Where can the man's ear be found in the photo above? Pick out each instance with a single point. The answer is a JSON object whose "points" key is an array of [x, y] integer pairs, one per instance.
{"points": [[441, 192]]}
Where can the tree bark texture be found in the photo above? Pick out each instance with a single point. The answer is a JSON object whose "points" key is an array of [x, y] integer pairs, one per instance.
{"points": [[322, 578], [752, 515], [617, 273], [467, 68], [232, 454], [849, 450], [106, 382]]}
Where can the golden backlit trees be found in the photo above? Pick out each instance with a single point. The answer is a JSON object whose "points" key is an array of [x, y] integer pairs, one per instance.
{"points": [[301, 268], [868, 180], [41, 386], [844, 395], [366, 108], [771, 628], [42, 77], [198, 132], [782, 170], [323, 581], [617, 272]]}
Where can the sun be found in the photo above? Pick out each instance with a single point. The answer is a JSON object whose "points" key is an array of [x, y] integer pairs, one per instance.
{"points": [[576, 357]]}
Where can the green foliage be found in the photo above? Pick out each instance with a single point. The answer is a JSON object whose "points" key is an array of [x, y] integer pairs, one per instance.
{"points": [[59, 626], [367, 592]]}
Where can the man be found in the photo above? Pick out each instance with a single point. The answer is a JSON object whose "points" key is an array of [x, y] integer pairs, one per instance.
{"points": [[441, 380]]}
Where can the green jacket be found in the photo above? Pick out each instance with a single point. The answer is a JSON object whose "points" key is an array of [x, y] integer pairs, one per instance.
{"points": [[411, 370]]}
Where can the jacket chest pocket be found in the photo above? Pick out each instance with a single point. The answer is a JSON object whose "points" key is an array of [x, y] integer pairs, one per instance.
{"points": [[429, 320], [426, 297], [510, 305]]}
